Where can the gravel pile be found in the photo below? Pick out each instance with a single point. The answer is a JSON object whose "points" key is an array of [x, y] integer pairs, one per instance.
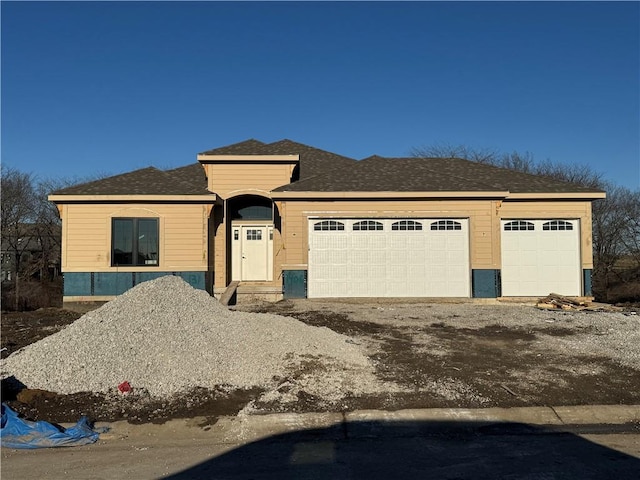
{"points": [[166, 337]]}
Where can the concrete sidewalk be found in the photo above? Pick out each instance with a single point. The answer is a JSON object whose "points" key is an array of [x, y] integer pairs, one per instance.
{"points": [[245, 428], [536, 442]]}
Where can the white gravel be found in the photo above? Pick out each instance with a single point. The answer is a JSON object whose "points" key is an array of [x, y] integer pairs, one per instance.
{"points": [[607, 334], [166, 337]]}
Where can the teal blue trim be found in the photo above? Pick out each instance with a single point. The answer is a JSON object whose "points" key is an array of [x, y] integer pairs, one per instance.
{"points": [[294, 283], [76, 284], [195, 279], [586, 277], [87, 284], [111, 283], [486, 283], [148, 276]]}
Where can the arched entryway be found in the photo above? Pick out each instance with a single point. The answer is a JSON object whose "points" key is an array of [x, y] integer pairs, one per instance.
{"points": [[251, 237]]}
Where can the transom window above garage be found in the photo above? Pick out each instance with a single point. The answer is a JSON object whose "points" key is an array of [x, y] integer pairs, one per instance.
{"points": [[518, 225], [446, 225], [328, 225], [367, 225], [406, 225], [557, 225]]}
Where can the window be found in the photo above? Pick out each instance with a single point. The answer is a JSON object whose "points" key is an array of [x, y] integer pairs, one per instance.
{"points": [[134, 242], [557, 225], [254, 234], [367, 225], [406, 225], [446, 225], [326, 225], [518, 225]]}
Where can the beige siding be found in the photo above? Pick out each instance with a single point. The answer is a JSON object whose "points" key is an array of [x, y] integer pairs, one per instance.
{"points": [[229, 179], [484, 220], [87, 236], [479, 212], [220, 254]]}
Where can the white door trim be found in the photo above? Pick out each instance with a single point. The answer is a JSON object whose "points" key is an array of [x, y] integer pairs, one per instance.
{"points": [[252, 251]]}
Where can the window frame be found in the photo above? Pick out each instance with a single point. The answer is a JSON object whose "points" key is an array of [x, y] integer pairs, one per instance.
{"points": [[557, 225], [253, 234], [135, 261], [406, 226], [445, 225], [328, 226], [368, 226], [519, 226]]}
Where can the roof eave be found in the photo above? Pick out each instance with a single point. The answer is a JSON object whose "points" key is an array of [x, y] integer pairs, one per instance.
{"points": [[385, 194], [207, 198], [556, 196], [204, 158]]}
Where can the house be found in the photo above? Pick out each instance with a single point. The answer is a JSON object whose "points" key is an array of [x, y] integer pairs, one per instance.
{"points": [[288, 220]]}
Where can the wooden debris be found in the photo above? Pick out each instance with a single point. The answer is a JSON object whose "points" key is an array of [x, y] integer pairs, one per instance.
{"points": [[553, 301], [508, 390]]}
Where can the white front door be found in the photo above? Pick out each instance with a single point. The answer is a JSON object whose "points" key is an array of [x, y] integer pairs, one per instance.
{"points": [[251, 252]]}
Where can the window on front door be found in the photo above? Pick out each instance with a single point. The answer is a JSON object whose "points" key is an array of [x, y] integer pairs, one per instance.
{"points": [[254, 234]]}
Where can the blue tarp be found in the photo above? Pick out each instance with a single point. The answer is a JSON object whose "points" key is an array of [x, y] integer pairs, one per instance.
{"points": [[16, 432]]}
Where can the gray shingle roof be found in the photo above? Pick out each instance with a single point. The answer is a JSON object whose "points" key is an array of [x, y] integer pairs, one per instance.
{"points": [[322, 171], [248, 147], [378, 174], [313, 161], [146, 181]]}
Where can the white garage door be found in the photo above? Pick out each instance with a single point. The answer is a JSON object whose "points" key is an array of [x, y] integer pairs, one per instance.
{"points": [[388, 258], [540, 257]]}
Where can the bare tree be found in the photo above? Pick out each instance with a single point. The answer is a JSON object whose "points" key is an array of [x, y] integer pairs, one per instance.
{"points": [[446, 150], [17, 214]]}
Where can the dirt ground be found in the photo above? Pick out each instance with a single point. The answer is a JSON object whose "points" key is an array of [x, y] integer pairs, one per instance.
{"points": [[463, 356]]}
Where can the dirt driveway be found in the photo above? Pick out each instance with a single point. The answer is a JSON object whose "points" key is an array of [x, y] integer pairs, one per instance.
{"points": [[433, 354], [468, 355]]}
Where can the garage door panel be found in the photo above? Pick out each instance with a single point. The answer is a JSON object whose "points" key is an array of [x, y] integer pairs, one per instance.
{"points": [[404, 262], [538, 261]]}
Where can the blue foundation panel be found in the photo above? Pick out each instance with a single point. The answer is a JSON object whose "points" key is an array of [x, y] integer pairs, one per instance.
{"points": [[195, 279], [77, 284], [586, 276], [486, 283], [148, 276], [111, 283], [294, 283], [87, 284]]}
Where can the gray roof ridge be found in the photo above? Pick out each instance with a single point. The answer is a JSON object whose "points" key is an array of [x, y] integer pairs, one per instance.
{"points": [[236, 144]]}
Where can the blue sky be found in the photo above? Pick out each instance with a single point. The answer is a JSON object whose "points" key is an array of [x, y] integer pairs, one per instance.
{"points": [[92, 88]]}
